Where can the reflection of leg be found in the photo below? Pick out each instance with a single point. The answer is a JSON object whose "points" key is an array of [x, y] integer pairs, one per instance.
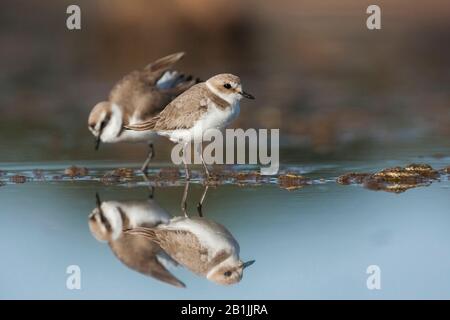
{"points": [[200, 204], [200, 151], [186, 170], [151, 154], [184, 199], [152, 192]]}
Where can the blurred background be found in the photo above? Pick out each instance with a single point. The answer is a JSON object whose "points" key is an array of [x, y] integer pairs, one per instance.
{"points": [[333, 87], [344, 97]]}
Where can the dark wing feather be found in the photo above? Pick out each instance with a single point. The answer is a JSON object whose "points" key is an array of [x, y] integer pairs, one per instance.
{"points": [[139, 253], [138, 94]]}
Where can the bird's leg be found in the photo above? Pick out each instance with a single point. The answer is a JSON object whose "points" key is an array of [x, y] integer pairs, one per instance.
{"points": [[150, 156], [186, 170], [184, 199], [200, 151], [200, 204]]}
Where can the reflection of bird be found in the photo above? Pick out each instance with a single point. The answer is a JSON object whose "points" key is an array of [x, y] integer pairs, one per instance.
{"points": [[209, 105], [202, 246], [138, 96], [110, 218]]}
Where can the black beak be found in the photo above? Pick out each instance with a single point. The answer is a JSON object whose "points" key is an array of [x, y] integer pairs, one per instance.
{"points": [[247, 95], [100, 212], [247, 264], [97, 143], [97, 200]]}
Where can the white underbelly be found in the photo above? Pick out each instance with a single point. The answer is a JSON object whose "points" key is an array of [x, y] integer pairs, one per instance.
{"points": [[207, 235], [215, 118], [135, 136]]}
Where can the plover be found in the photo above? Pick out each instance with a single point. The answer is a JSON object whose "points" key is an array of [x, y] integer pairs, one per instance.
{"points": [[200, 245], [107, 222], [137, 97], [206, 105]]}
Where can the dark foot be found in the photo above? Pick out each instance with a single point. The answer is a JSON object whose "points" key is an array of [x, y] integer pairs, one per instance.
{"points": [[152, 192], [199, 209]]}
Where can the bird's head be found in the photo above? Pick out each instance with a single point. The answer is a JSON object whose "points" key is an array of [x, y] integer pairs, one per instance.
{"points": [[228, 87]]}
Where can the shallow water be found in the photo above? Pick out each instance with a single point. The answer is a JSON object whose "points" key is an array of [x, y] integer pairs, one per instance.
{"points": [[312, 242]]}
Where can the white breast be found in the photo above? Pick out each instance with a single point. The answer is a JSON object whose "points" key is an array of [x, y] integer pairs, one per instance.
{"points": [[136, 136], [217, 118], [214, 118]]}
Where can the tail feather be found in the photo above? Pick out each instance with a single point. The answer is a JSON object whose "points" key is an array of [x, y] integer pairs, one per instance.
{"points": [[165, 62], [173, 79]]}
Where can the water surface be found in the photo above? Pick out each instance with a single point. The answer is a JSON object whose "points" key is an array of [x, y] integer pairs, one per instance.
{"points": [[312, 242]]}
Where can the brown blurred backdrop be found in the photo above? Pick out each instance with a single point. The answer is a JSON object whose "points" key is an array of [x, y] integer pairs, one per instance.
{"points": [[318, 73]]}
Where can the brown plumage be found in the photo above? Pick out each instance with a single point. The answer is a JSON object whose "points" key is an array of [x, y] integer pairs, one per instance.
{"points": [[184, 111], [138, 94], [200, 245], [184, 247], [139, 254]]}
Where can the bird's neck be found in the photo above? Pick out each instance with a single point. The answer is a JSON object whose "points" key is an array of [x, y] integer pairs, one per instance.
{"points": [[231, 261], [112, 214], [114, 128], [231, 99]]}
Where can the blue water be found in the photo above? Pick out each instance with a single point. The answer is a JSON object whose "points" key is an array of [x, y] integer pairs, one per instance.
{"points": [[308, 243]]}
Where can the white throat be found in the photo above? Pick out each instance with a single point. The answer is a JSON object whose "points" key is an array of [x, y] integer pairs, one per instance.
{"points": [[114, 126], [112, 214], [230, 98]]}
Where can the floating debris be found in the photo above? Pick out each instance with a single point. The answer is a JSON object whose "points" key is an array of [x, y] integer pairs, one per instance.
{"points": [[125, 173], [397, 179], [18, 179], [109, 178], [396, 174], [424, 170], [242, 178], [170, 174], [446, 170], [74, 171], [220, 174], [352, 178], [38, 174], [291, 181], [393, 187], [117, 175]]}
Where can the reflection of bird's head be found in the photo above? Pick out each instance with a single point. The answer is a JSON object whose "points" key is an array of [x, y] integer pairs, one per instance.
{"points": [[109, 218], [105, 221], [229, 272], [99, 225]]}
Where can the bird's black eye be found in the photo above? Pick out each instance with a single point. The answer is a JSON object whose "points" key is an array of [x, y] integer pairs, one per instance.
{"points": [[227, 86], [227, 273]]}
